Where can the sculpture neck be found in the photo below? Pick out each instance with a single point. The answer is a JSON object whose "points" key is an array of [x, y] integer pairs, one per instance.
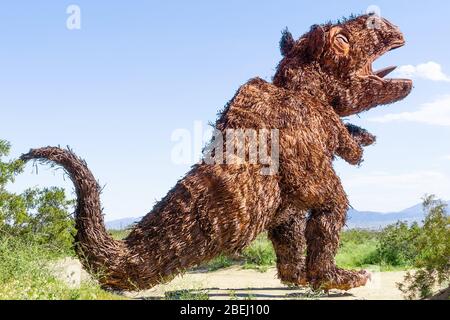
{"points": [[307, 81]]}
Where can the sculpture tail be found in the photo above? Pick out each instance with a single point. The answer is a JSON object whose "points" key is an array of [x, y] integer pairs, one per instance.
{"points": [[97, 250]]}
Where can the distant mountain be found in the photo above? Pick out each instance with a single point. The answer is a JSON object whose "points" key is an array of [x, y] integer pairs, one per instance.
{"points": [[121, 224], [376, 220], [356, 219]]}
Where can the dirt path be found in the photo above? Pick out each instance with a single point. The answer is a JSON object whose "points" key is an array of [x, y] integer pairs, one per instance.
{"points": [[237, 283]]}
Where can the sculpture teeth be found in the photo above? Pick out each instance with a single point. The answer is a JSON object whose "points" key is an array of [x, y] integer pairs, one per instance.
{"points": [[384, 72]]}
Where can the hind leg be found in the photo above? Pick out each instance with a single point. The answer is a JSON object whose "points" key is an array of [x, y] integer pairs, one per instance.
{"points": [[322, 233], [289, 241]]}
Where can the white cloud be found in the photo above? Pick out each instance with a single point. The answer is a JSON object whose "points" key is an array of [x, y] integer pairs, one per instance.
{"points": [[385, 192], [433, 113], [406, 180], [429, 71]]}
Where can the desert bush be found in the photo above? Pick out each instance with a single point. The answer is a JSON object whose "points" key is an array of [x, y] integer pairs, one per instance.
{"points": [[397, 244], [119, 234], [260, 254], [432, 261], [8, 170], [186, 294], [219, 262], [49, 219], [37, 215], [357, 255], [358, 236]]}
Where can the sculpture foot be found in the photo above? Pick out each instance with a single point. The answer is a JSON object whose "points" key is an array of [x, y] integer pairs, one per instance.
{"points": [[339, 279], [293, 275]]}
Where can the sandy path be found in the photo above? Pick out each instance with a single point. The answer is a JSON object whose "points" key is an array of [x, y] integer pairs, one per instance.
{"points": [[237, 283]]}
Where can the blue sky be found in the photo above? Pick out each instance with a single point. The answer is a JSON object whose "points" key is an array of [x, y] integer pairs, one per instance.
{"points": [[116, 89]]}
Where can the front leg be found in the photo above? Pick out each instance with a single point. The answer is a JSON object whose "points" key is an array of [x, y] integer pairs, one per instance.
{"points": [[363, 137], [289, 242], [349, 149], [351, 140]]}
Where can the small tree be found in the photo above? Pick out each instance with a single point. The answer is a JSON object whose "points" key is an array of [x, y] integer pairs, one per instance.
{"points": [[38, 215], [433, 253], [50, 220], [12, 207]]}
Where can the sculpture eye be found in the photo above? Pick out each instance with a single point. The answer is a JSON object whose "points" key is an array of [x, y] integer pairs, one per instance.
{"points": [[341, 45], [342, 38]]}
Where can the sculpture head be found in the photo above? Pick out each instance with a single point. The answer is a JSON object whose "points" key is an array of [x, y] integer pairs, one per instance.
{"points": [[339, 57]]}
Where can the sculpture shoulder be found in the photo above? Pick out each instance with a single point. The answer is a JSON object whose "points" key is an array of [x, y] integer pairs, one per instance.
{"points": [[259, 103], [255, 104], [259, 94], [257, 89]]}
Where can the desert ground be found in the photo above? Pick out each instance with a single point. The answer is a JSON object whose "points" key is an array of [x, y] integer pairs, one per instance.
{"points": [[237, 283]]}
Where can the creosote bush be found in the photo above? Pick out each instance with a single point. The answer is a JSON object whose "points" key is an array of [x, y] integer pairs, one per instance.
{"points": [[42, 216], [397, 244], [432, 247]]}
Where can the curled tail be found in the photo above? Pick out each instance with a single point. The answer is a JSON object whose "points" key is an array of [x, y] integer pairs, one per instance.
{"points": [[98, 251], [168, 240]]}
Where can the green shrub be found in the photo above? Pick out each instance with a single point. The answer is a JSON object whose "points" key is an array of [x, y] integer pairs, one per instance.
{"points": [[220, 262], [357, 255], [260, 254], [119, 234], [49, 219], [432, 260], [25, 274], [397, 244], [42, 216], [358, 236], [8, 170], [187, 295]]}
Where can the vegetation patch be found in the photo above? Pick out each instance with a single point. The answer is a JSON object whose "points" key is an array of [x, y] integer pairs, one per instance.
{"points": [[187, 295]]}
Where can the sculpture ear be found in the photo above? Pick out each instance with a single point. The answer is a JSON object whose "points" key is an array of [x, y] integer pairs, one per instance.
{"points": [[286, 43], [316, 42]]}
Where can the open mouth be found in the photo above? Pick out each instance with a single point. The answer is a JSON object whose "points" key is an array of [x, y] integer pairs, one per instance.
{"points": [[374, 87], [401, 90], [367, 70]]}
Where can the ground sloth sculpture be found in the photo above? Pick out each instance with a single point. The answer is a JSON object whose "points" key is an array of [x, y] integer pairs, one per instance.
{"points": [[220, 208]]}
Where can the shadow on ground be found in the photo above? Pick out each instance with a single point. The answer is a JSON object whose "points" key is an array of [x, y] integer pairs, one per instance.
{"points": [[257, 293]]}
